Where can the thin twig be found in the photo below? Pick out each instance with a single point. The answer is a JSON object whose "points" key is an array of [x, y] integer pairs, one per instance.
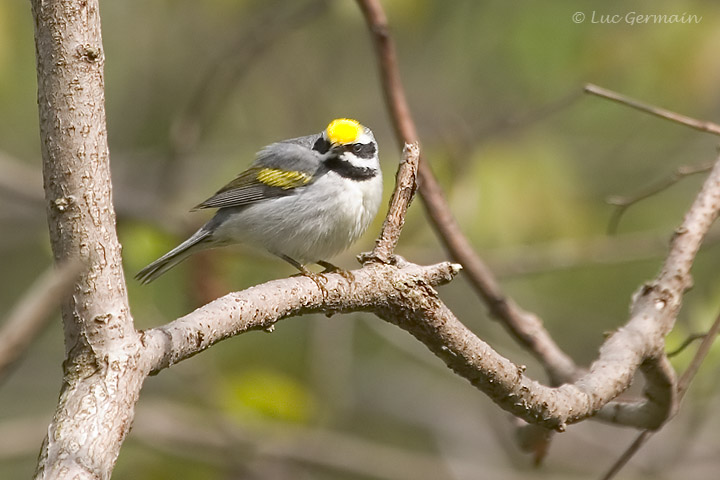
{"points": [[639, 441], [564, 255], [703, 126], [405, 185], [31, 313], [526, 327], [702, 351], [682, 387], [623, 203], [688, 341], [393, 90]]}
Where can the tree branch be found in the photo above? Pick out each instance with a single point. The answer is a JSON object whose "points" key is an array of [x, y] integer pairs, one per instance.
{"points": [[32, 312], [260, 307], [526, 327], [623, 203], [656, 305], [682, 386], [707, 127], [654, 308], [405, 184], [403, 295], [408, 302], [660, 399]]}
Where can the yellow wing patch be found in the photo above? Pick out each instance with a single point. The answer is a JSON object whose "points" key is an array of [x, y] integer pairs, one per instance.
{"points": [[274, 177], [343, 130]]}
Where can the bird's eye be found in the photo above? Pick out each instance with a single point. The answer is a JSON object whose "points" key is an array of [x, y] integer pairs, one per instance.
{"points": [[363, 150]]}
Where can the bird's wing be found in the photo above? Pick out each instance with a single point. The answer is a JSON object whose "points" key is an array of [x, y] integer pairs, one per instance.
{"points": [[279, 170]]}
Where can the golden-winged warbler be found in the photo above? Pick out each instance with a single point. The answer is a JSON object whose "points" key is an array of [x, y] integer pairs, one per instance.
{"points": [[304, 200]]}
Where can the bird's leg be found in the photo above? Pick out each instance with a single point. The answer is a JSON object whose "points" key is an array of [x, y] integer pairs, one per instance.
{"points": [[295, 264], [329, 267], [317, 278]]}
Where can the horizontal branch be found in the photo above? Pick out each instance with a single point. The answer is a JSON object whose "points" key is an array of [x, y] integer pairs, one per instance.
{"points": [[260, 307], [403, 295]]}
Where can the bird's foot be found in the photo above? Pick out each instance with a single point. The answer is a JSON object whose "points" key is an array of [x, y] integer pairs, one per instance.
{"points": [[330, 268], [318, 279]]}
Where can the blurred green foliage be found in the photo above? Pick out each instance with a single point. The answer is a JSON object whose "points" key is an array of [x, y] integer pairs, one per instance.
{"points": [[265, 393], [193, 89]]}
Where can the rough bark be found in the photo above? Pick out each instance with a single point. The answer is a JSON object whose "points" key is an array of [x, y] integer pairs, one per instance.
{"points": [[101, 381]]}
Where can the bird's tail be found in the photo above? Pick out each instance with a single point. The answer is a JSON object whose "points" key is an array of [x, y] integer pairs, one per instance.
{"points": [[173, 257]]}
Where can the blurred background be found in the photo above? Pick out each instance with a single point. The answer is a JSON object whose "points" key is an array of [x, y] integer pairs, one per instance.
{"points": [[194, 89]]}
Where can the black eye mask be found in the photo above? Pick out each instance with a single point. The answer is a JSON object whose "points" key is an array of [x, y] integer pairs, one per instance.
{"points": [[362, 150]]}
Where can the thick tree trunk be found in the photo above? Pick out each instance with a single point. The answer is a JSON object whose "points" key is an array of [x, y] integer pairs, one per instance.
{"points": [[102, 378]]}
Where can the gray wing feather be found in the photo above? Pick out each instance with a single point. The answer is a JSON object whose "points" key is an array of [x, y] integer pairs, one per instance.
{"points": [[236, 197], [294, 154]]}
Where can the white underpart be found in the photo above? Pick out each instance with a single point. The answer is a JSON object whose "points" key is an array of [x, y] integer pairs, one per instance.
{"points": [[318, 222]]}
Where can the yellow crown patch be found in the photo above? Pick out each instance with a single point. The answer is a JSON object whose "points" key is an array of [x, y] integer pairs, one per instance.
{"points": [[343, 130]]}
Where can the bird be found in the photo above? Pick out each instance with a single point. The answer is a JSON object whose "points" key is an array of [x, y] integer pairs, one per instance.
{"points": [[304, 200]]}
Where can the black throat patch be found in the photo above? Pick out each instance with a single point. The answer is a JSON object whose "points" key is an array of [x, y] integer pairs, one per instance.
{"points": [[348, 170]]}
